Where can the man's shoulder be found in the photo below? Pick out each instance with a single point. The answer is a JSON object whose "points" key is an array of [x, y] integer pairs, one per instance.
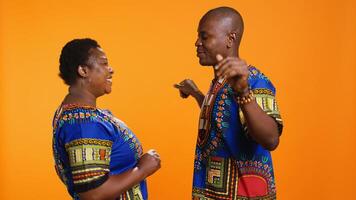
{"points": [[257, 79], [255, 74]]}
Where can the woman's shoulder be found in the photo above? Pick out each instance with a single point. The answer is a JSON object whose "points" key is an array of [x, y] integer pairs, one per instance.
{"points": [[77, 121], [79, 114]]}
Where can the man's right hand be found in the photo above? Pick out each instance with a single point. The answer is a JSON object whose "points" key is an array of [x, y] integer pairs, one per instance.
{"points": [[149, 163], [186, 88]]}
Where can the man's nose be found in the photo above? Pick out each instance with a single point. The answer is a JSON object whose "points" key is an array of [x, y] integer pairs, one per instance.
{"points": [[198, 42]]}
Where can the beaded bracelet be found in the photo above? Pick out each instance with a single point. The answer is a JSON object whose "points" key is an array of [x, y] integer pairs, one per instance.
{"points": [[245, 99]]}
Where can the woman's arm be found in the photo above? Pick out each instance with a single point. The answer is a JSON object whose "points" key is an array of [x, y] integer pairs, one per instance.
{"points": [[118, 184]]}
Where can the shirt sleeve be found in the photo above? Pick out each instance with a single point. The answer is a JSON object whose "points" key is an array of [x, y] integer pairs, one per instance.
{"points": [[264, 93], [88, 146]]}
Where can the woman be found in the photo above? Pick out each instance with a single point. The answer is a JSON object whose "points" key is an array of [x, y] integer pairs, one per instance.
{"points": [[96, 155]]}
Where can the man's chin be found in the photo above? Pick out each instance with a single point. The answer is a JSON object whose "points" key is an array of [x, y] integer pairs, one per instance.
{"points": [[205, 63]]}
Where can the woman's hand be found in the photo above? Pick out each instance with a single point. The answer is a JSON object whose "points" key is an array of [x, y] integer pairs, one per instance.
{"points": [[149, 163]]}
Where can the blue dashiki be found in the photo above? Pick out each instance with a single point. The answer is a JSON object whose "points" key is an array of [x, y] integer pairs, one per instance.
{"points": [[228, 164], [89, 145]]}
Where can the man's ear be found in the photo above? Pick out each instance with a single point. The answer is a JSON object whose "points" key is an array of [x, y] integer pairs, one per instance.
{"points": [[83, 71], [232, 39]]}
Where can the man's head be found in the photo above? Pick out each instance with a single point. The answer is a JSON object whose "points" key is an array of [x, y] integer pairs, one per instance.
{"points": [[220, 31]]}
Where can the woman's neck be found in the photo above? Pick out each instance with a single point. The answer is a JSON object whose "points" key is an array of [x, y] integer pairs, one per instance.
{"points": [[79, 96]]}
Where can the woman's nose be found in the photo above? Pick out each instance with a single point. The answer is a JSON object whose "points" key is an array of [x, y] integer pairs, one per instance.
{"points": [[111, 70]]}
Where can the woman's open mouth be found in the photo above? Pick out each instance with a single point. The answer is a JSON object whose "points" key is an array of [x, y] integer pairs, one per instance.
{"points": [[109, 80]]}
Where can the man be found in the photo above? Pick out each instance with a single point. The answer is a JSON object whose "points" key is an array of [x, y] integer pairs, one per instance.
{"points": [[239, 122]]}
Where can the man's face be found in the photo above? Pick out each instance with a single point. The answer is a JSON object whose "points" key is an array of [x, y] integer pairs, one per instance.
{"points": [[212, 40]]}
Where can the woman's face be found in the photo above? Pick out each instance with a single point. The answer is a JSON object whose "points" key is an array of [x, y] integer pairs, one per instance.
{"points": [[100, 73]]}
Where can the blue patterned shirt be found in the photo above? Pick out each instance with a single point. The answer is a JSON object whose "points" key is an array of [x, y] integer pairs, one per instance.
{"points": [[228, 163], [89, 145]]}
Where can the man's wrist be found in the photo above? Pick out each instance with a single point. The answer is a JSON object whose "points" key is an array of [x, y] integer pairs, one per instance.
{"points": [[244, 97], [197, 94], [242, 92]]}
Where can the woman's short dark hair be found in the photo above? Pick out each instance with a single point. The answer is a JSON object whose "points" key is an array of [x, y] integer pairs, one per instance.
{"points": [[74, 53]]}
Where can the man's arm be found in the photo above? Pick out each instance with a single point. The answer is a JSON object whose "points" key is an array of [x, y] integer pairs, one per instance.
{"points": [[262, 128]]}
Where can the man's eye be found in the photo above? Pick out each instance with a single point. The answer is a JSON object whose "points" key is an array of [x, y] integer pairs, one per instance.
{"points": [[203, 36]]}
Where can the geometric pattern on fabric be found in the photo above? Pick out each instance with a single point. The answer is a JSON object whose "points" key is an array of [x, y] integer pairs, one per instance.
{"points": [[132, 194], [89, 160], [221, 180], [267, 101]]}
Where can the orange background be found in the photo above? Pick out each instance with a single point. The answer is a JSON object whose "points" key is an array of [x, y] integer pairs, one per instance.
{"points": [[307, 48]]}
